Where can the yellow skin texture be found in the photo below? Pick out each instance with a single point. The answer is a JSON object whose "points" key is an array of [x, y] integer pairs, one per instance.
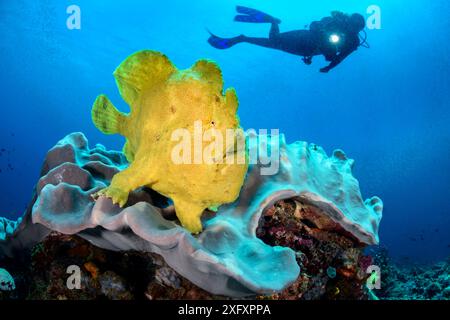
{"points": [[163, 99]]}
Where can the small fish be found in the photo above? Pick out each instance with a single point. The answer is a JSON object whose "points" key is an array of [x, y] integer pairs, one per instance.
{"points": [[6, 281]]}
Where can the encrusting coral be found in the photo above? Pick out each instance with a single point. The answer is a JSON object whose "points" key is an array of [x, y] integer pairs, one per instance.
{"points": [[163, 100]]}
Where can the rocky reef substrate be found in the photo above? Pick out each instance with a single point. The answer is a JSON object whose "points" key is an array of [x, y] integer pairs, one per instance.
{"points": [[136, 275], [411, 281], [332, 264]]}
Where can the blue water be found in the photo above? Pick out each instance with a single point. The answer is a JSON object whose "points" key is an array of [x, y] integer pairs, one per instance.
{"points": [[387, 107]]}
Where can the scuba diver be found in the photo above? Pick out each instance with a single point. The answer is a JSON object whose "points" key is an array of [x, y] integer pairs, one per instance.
{"points": [[334, 37]]}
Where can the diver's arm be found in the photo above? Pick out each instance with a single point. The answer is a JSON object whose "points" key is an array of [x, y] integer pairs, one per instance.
{"points": [[337, 60], [352, 46]]}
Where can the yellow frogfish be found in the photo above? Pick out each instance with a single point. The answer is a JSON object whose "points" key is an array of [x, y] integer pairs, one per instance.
{"points": [[183, 137]]}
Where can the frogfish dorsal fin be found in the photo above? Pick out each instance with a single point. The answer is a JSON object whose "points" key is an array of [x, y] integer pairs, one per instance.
{"points": [[142, 70]]}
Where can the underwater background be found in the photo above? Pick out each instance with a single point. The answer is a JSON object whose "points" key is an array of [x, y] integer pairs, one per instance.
{"points": [[387, 107]]}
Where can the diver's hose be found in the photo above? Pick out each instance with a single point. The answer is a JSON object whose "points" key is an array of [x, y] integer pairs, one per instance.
{"points": [[363, 40]]}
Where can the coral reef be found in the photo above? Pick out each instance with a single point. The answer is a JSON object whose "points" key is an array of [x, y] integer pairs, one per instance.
{"points": [[168, 105], [72, 172], [6, 281], [7, 227], [105, 274], [329, 257], [412, 282], [237, 254]]}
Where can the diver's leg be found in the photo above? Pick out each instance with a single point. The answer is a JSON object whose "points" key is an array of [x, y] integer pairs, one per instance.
{"points": [[263, 42], [274, 30], [225, 43]]}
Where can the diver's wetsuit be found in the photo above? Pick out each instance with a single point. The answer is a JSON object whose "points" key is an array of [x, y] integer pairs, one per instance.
{"points": [[298, 42], [305, 43]]}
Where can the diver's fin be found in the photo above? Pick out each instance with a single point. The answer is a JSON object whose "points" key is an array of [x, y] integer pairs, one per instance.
{"points": [[254, 16], [142, 70], [224, 43], [106, 117]]}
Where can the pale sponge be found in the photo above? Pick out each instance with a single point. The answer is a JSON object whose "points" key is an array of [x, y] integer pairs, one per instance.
{"points": [[6, 281], [164, 100], [227, 258]]}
